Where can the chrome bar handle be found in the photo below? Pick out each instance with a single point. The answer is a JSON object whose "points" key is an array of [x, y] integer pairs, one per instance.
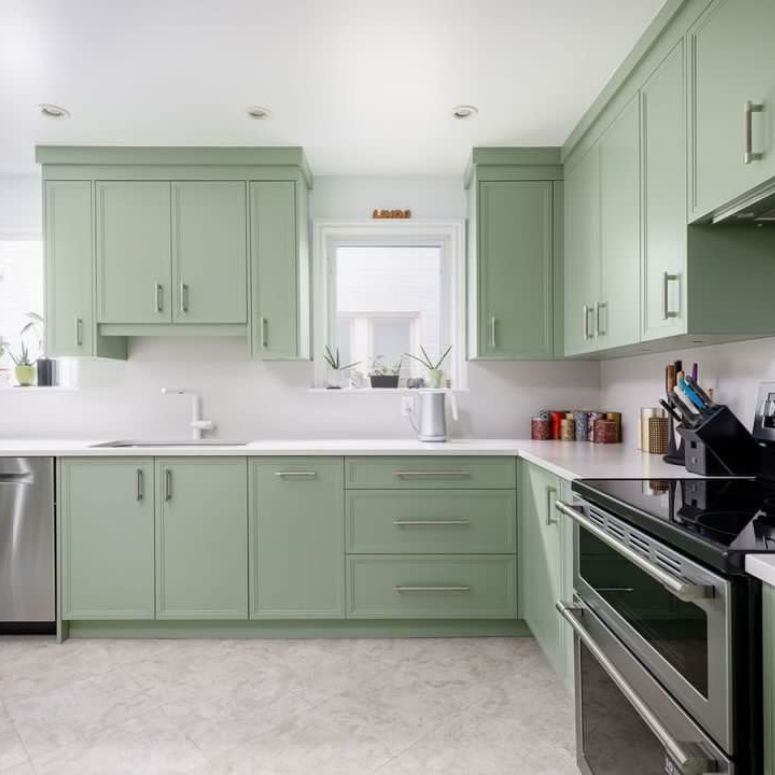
{"points": [[158, 297], [551, 497], [431, 522], [403, 588], [599, 307], [586, 323], [689, 761], [681, 589], [596, 320], [262, 327], [666, 280], [167, 485], [79, 332], [183, 298], [749, 108], [140, 484], [493, 337], [296, 474], [431, 474]]}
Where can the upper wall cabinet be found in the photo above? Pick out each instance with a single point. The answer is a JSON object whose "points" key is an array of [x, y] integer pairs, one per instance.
{"points": [[732, 48], [171, 241], [514, 252]]}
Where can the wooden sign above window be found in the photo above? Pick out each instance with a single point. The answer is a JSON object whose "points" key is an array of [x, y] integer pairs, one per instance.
{"points": [[391, 214]]}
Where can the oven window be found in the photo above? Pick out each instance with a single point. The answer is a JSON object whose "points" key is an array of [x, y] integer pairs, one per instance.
{"points": [[677, 630]]}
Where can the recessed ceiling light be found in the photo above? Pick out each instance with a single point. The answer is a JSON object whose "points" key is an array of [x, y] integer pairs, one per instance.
{"points": [[259, 113], [53, 111], [464, 111]]}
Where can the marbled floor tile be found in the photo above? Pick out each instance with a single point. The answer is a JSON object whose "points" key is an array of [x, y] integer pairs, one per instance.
{"points": [[12, 751]]}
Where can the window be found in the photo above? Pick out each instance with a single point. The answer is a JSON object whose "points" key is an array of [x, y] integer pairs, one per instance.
{"points": [[388, 289]]}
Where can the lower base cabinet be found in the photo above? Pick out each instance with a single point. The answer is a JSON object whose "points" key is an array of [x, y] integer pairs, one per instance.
{"points": [[202, 538], [297, 538]]}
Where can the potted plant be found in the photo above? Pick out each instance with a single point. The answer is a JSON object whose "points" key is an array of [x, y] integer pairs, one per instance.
{"points": [[382, 376], [435, 374], [337, 373], [45, 366], [24, 369]]}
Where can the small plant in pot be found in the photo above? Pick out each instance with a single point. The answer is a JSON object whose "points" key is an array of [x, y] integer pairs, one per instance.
{"points": [[337, 372], [45, 366], [24, 369], [435, 373], [382, 376]]}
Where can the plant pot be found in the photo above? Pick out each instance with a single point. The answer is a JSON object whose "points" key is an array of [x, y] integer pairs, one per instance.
{"points": [[435, 378], [384, 380], [25, 375]]}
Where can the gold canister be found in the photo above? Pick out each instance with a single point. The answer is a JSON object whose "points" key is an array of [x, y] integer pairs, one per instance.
{"points": [[617, 418], [647, 413], [568, 429], [658, 432]]}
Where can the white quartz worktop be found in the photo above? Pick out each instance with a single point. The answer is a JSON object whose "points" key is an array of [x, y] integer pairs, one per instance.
{"points": [[569, 460], [762, 566]]}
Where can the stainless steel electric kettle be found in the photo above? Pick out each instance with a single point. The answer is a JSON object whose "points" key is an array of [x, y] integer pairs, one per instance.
{"points": [[427, 412]]}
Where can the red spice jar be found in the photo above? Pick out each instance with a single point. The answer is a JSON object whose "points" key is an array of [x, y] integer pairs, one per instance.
{"points": [[540, 429], [605, 432], [557, 418]]}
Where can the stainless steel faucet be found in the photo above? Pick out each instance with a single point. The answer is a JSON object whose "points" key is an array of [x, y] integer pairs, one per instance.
{"points": [[197, 424]]}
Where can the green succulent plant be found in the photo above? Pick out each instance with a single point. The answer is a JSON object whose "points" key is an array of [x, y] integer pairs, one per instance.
{"points": [[333, 359], [426, 360]]}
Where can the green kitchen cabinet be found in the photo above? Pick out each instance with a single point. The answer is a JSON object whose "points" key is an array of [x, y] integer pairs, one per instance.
{"points": [[201, 538], [514, 251], [297, 538], [733, 100], [663, 109], [106, 535], [209, 252], [133, 252], [280, 279], [71, 326], [541, 560]]}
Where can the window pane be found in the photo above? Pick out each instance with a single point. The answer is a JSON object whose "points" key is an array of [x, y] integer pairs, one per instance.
{"points": [[391, 338], [21, 290]]}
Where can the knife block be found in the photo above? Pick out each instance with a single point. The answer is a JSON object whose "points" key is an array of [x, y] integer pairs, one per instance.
{"points": [[720, 445]]}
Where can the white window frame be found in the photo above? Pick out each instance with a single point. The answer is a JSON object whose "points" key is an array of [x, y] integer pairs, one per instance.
{"points": [[447, 235]]}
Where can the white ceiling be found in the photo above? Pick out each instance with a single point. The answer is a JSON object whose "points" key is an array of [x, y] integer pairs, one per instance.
{"points": [[365, 87]]}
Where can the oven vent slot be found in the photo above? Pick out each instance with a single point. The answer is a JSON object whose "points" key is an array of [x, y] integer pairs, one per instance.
{"points": [[616, 530], [596, 517], [636, 542], [668, 562]]}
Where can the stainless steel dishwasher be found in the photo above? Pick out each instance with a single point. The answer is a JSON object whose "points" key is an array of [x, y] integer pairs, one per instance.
{"points": [[27, 544]]}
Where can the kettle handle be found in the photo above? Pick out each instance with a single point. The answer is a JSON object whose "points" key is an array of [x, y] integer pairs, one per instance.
{"points": [[412, 410], [453, 404]]}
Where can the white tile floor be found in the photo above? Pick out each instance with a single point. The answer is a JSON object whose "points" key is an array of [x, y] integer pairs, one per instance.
{"points": [[302, 707]]}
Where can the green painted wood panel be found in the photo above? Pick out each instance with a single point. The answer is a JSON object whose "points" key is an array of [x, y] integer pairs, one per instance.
{"points": [[515, 269], [420, 473], [617, 311], [431, 522], [541, 560], [106, 521], [733, 61], [566, 588], [274, 257], [768, 675], [202, 538], [663, 116], [451, 586], [581, 252], [209, 252], [133, 252], [297, 538]]}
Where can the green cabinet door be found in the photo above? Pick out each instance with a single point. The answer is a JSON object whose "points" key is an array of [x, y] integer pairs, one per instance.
{"points": [[274, 257], [617, 309], [515, 270], [106, 537], [69, 261], [663, 112], [133, 252], [297, 538], [541, 560], [209, 250], [202, 538], [581, 252], [733, 61]]}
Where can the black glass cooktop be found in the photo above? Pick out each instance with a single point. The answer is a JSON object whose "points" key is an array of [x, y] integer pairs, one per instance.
{"points": [[717, 521]]}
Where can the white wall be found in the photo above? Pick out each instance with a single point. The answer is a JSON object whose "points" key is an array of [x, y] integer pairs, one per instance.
{"points": [[249, 399]]}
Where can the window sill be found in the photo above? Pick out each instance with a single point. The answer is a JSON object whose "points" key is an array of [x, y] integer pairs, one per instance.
{"points": [[38, 389], [401, 391]]}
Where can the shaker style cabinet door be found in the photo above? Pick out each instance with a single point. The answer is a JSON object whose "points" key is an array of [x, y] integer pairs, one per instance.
{"points": [[733, 126], [209, 249], [106, 517], [202, 538], [69, 267], [515, 272], [297, 538], [663, 109], [133, 252]]}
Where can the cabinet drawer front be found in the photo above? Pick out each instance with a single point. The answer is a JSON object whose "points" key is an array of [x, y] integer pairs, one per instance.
{"points": [[431, 522], [414, 473], [431, 587]]}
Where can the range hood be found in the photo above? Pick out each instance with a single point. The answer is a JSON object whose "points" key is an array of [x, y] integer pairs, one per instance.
{"points": [[758, 206]]}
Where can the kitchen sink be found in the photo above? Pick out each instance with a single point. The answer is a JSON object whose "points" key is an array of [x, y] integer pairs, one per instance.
{"points": [[123, 443]]}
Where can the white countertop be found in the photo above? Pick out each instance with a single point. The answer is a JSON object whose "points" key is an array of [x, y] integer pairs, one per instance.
{"points": [[569, 460], [762, 566]]}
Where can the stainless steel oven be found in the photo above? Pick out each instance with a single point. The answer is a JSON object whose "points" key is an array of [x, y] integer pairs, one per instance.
{"points": [[671, 613]]}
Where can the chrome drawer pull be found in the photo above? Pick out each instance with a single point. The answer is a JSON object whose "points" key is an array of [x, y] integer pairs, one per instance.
{"points": [[681, 589], [79, 332], [493, 333], [140, 484], [749, 108], [158, 297], [297, 474], [401, 588], [431, 474], [431, 522], [666, 280], [690, 762], [183, 298]]}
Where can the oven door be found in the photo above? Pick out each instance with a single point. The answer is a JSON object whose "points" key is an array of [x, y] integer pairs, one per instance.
{"points": [[670, 611], [626, 723]]}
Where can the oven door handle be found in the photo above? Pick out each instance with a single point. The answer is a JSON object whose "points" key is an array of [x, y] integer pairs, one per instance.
{"points": [[689, 759], [681, 589]]}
